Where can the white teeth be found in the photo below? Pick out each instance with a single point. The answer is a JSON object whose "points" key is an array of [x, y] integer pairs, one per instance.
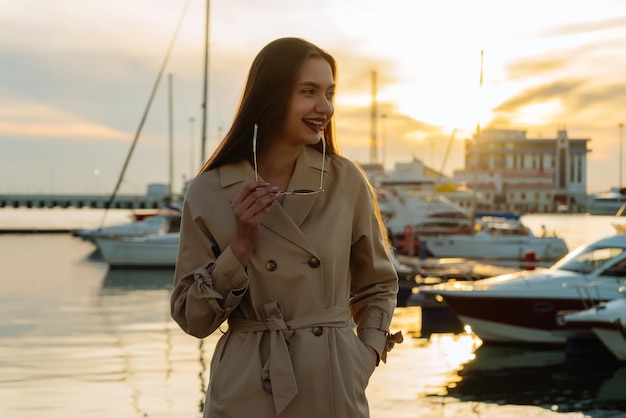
{"points": [[314, 122]]}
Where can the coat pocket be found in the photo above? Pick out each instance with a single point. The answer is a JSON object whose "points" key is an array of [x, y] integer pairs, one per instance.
{"points": [[232, 371], [361, 354]]}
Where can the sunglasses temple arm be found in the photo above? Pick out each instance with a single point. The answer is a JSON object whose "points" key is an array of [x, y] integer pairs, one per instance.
{"points": [[256, 168], [323, 159]]}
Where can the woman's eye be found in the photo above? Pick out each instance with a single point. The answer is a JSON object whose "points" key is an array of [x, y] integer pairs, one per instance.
{"points": [[308, 91]]}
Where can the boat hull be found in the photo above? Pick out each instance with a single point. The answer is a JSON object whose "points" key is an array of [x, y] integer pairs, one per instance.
{"points": [[607, 322], [158, 251], [503, 248], [514, 320], [614, 340]]}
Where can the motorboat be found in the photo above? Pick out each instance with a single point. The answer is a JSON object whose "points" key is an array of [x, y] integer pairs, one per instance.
{"points": [[612, 202], [525, 306], [167, 220], [498, 238], [412, 213], [149, 251], [607, 321]]}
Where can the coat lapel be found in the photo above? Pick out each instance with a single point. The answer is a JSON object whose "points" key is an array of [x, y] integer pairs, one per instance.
{"points": [[286, 219], [305, 176]]}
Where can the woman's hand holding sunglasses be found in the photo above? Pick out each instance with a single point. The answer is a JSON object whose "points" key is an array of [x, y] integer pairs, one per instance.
{"points": [[250, 207]]}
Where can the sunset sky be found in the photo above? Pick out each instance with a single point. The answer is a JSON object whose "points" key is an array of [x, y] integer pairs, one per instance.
{"points": [[76, 76]]}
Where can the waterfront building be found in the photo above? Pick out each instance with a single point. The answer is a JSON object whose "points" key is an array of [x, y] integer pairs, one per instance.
{"points": [[513, 173]]}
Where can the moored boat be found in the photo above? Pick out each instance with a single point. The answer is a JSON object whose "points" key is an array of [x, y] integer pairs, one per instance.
{"points": [[607, 321], [413, 213], [612, 202], [525, 306], [167, 220], [150, 251], [497, 239]]}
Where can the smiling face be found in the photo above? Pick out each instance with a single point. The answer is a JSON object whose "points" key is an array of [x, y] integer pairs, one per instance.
{"points": [[310, 105]]}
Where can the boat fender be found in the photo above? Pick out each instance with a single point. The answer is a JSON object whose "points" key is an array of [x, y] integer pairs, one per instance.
{"points": [[530, 260], [409, 237]]}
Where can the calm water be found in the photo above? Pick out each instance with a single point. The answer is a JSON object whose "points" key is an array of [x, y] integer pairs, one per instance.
{"points": [[78, 340]]}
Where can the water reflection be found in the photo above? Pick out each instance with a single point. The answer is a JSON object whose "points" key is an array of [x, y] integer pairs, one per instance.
{"points": [[440, 321], [548, 377], [519, 375], [138, 279], [151, 354], [94, 255]]}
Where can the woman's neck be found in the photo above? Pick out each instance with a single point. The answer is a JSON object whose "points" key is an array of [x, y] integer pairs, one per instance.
{"points": [[277, 166]]}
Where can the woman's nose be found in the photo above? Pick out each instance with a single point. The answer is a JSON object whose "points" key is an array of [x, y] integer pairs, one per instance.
{"points": [[325, 106]]}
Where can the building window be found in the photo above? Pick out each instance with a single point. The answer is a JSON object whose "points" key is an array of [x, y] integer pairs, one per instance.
{"points": [[522, 196]]}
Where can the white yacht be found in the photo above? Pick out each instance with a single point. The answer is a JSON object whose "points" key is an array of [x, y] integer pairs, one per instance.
{"points": [[424, 212], [609, 203]]}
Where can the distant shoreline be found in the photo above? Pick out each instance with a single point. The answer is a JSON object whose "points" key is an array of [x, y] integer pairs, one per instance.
{"points": [[59, 220]]}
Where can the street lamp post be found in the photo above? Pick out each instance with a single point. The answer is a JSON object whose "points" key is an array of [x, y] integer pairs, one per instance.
{"points": [[383, 138]]}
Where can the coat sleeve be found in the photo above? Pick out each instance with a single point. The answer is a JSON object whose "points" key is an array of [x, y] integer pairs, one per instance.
{"points": [[208, 284], [374, 281]]}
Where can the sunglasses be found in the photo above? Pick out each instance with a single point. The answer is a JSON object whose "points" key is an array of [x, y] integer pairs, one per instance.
{"points": [[298, 192]]}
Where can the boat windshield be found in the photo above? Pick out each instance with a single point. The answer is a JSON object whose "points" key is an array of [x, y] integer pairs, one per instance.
{"points": [[588, 259]]}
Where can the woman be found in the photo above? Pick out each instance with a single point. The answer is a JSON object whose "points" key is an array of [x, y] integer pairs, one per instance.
{"points": [[281, 238]]}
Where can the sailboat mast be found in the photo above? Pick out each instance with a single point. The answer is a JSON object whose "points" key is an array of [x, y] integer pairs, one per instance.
{"points": [[109, 203], [171, 136], [205, 105]]}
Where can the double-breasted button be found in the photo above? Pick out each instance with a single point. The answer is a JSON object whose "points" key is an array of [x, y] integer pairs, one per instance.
{"points": [[271, 265], [318, 331], [314, 262]]}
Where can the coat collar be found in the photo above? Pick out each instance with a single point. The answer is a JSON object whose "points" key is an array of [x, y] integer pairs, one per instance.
{"points": [[285, 219]]}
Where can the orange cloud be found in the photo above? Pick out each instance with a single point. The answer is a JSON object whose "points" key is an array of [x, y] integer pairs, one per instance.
{"points": [[34, 120], [557, 89]]}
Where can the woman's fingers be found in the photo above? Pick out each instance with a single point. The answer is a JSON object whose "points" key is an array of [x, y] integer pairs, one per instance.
{"points": [[250, 207], [255, 199]]}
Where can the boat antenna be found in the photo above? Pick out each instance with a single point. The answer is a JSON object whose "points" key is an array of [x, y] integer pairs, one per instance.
{"points": [[145, 114], [478, 133]]}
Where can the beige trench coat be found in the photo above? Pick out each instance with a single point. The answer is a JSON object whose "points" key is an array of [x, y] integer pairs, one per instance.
{"points": [[290, 350]]}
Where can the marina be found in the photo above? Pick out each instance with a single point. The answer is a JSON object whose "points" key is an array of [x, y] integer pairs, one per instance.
{"points": [[85, 298], [82, 339]]}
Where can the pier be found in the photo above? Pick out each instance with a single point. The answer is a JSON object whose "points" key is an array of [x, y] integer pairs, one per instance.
{"points": [[81, 201]]}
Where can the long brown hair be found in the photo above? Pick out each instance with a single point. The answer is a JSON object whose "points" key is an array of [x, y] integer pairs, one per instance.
{"points": [[266, 99]]}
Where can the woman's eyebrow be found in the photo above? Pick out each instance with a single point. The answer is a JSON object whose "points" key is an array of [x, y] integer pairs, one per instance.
{"points": [[315, 85]]}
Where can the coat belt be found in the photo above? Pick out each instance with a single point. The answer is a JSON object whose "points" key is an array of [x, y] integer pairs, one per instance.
{"points": [[279, 369]]}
